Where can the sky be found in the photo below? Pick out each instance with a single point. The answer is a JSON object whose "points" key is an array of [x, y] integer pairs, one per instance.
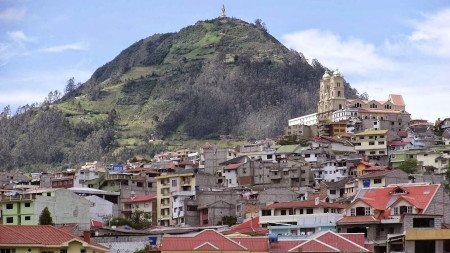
{"points": [[381, 47]]}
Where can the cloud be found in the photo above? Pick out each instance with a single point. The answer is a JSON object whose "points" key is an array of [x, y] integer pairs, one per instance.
{"points": [[12, 14], [78, 46], [35, 85], [414, 64], [353, 55], [19, 37], [18, 98], [432, 34]]}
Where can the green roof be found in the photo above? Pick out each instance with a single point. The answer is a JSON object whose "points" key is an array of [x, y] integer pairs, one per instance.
{"points": [[372, 132], [296, 148]]}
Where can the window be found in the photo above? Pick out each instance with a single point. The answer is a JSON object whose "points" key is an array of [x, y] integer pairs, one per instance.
{"points": [[283, 212], [286, 173], [307, 155], [377, 181], [27, 204], [82, 250], [333, 192], [9, 206], [301, 211], [371, 143], [368, 211], [309, 211], [269, 156], [423, 223], [64, 251], [352, 212], [174, 183], [140, 184], [381, 142], [8, 250], [373, 152], [266, 212], [27, 217], [149, 185], [396, 211], [9, 220]]}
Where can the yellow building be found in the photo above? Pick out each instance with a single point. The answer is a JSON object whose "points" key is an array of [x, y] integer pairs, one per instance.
{"points": [[45, 238], [371, 143], [172, 190]]}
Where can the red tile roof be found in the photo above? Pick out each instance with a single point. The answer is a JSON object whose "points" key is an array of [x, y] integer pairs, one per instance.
{"points": [[233, 166], [397, 99], [284, 246], [377, 168], [398, 143], [248, 227], [37, 235], [402, 133], [303, 204], [384, 198], [212, 240], [378, 173], [357, 219], [96, 224], [367, 163], [342, 243], [144, 198], [259, 244], [314, 245], [329, 241]]}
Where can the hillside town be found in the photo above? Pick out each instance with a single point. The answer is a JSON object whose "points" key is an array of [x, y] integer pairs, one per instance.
{"points": [[356, 176]]}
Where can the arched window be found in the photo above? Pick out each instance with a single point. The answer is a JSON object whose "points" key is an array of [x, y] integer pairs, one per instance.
{"points": [[339, 93]]}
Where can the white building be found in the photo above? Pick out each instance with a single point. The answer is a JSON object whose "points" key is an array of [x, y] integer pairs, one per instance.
{"points": [[331, 171], [102, 209], [308, 120]]}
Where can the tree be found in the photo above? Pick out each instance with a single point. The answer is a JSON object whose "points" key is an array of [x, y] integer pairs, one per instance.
{"points": [[260, 25], [45, 218], [140, 219], [409, 166], [70, 86], [228, 220], [6, 112], [363, 96], [447, 178]]}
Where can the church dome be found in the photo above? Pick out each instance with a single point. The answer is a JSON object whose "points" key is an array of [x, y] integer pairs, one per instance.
{"points": [[337, 73], [326, 75]]}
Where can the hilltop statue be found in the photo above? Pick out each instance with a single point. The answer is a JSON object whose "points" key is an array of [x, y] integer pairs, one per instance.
{"points": [[223, 11]]}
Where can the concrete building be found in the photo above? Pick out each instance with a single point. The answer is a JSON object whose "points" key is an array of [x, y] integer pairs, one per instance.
{"points": [[102, 209], [371, 143], [211, 156], [65, 208], [173, 189], [145, 204], [300, 217], [382, 178]]}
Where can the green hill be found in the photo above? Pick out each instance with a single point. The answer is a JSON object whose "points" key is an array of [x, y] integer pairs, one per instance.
{"points": [[217, 77]]}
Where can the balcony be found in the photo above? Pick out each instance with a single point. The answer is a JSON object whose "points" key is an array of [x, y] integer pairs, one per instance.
{"points": [[165, 204], [304, 220], [183, 193]]}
